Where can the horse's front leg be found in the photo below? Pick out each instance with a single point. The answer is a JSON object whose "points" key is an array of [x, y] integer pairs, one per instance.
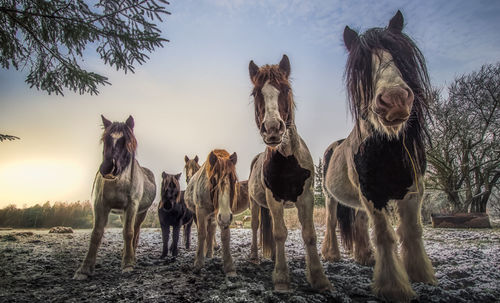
{"points": [[211, 242], [165, 234], [100, 219], [254, 249], [330, 247], [363, 253], [201, 218], [390, 280], [187, 234], [314, 270], [175, 239], [415, 259], [128, 259], [281, 276], [137, 228], [225, 235]]}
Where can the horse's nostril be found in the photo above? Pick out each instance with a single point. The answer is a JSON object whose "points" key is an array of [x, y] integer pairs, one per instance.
{"points": [[263, 128], [282, 127]]}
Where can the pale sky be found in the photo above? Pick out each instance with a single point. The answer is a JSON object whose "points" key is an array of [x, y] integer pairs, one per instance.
{"points": [[193, 95]]}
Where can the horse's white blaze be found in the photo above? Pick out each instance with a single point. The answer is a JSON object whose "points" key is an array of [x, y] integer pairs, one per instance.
{"points": [[271, 95], [225, 205], [116, 136], [385, 72], [385, 75]]}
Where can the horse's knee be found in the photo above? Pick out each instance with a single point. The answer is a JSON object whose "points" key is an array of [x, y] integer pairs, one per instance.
{"points": [[128, 234], [309, 238]]}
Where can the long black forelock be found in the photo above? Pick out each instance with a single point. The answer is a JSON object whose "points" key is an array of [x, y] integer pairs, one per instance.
{"points": [[164, 186], [411, 63], [128, 134]]}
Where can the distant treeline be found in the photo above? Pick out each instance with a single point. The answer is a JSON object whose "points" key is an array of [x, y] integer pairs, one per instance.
{"points": [[76, 215]]}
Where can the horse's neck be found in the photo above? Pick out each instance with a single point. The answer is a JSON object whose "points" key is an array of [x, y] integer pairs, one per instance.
{"points": [[291, 142]]}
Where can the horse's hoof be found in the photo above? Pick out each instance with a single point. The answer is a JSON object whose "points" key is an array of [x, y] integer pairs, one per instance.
{"points": [[395, 294], [231, 274], [79, 276], [127, 269], [331, 257], [197, 268], [283, 288], [367, 260], [324, 287]]}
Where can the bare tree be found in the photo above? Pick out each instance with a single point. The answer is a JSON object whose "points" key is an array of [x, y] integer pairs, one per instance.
{"points": [[465, 154]]}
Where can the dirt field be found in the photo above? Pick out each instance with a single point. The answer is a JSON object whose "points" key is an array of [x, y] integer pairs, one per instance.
{"points": [[39, 267]]}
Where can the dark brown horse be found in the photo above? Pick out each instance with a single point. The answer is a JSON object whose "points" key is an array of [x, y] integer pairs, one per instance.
{"points": [[382, 159], [191, 167], [172, 211], [123, 186]]}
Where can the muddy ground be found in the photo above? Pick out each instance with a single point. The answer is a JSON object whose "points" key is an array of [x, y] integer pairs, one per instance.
{"points": [[38, 267]]}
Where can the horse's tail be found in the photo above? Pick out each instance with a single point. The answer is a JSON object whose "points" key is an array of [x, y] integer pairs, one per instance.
{"points": [[345, 217], [266, 233]]}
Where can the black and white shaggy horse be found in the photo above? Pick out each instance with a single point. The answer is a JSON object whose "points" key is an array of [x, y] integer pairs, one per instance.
{"points": [[121, 185], [382, 159], [172, 211]]}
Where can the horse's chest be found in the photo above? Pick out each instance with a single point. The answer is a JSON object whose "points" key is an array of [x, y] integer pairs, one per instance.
{"points": [[116, 195], [284, 176], [383, 172]]}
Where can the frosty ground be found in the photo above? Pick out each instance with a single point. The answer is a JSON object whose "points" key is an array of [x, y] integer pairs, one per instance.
{"points": [[39, 267]]}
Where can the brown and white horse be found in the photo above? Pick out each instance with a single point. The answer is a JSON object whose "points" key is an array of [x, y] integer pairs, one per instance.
{"points": [[121, 185], [283, 174], [212, 193], [382, 159]]}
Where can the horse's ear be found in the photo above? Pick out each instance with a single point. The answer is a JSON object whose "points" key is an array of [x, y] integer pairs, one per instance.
{"points": [[163, 175], [397, 22], [105, 122], [285, 65], [130, 122], [196, 159], [233, 158], [186, 159], [212, 158], [253, 70], [178, 176], [350, 38]]}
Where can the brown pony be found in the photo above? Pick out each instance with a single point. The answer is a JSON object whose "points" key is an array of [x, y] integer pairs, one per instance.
{"points": [[382, 159], [212, 193], [191, 167], [283, 175]]}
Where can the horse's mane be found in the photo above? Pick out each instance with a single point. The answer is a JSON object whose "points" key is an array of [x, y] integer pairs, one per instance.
{"points": [[411, 63], [128, 134], [222, 167]]}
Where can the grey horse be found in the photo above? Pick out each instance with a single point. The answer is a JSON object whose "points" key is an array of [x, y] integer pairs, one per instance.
{"points": [[121, 185]]}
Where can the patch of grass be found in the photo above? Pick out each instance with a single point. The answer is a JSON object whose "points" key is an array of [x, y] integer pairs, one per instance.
{"points": [[291, 218]]}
